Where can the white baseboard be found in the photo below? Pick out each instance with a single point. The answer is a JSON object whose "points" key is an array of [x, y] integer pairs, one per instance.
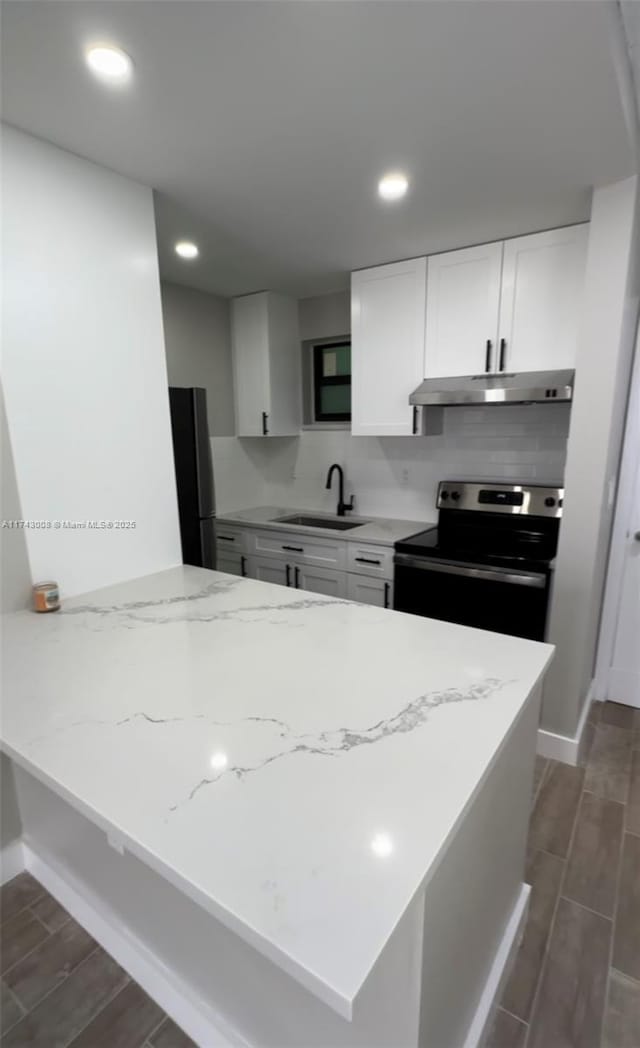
{"points": [[500, 971], [11, 861], [193, 1015], [565, 748]]}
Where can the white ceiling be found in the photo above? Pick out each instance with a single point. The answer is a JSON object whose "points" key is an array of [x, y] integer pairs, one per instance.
{"points": [[264, 126]]}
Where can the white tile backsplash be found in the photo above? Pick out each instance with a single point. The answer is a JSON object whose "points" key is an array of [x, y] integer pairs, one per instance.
{"points": [[394, 476]]}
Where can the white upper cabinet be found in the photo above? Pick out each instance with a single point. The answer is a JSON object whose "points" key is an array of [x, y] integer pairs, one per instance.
{"points": [[540, 305], [387, 346], [266, 365], [463, 298], [507, 306]]}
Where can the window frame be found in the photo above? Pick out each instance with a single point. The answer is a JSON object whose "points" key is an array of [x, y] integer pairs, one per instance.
{"points": [[319, 380]]}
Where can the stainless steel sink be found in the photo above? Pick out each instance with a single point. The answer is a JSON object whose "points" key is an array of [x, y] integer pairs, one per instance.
{"points": [[321, 522]]}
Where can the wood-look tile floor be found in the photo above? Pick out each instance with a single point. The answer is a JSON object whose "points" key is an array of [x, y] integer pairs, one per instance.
{"points": [[59, 989], [575, 982], [576, 979]]}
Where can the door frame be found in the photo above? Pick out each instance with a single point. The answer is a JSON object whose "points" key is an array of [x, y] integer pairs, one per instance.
{"points": [[622, 523]]}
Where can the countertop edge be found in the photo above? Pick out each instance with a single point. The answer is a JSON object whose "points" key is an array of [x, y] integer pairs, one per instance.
{"points": [[339, 1003], [351, 535]]}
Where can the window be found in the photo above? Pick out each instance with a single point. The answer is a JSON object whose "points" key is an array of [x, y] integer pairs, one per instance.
{"points": [[332, 381]]}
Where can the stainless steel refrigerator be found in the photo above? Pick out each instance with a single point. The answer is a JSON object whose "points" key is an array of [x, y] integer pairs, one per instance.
{"points": [[194, 475]]}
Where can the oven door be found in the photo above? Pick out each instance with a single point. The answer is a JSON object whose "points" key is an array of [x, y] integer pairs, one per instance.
{"points": [[497, 599]]}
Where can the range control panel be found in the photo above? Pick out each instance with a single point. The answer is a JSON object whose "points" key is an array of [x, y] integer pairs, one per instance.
{"points": [[529, 499]]}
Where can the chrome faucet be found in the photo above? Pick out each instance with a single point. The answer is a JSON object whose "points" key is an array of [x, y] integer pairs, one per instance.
{"points": [[342, 505]]}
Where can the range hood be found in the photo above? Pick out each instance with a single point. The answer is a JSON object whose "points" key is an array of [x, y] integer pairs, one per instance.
{"points": [[524, 387]]}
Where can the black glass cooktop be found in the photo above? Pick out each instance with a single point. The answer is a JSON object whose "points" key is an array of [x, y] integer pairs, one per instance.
{"points": [[523, 552]]}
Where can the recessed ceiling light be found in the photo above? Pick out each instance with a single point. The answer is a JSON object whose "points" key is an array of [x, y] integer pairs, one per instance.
{"points": [[186, 249], [393, 186], [109, 63], [382, 845]]}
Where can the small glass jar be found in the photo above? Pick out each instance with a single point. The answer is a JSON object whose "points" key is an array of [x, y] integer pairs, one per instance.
{"points": [[46, 596]]}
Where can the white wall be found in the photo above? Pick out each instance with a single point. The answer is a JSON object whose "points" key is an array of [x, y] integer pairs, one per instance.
{"points": [[15, 593], [15, 576], [603, 368], [325, 316], [84, 367], [197, 336]]}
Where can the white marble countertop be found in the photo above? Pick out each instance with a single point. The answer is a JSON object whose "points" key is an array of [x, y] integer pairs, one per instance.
{"points": [[379, 531], [294, 763]]}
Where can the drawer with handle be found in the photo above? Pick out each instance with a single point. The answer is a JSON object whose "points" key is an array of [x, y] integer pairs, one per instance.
{"points": [[376, 561], [303, 548], [230, 540]]}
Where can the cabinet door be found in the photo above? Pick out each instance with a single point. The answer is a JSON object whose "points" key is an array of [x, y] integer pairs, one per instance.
{"points": [[541, 304], [231, 563], [366, 590], [387, 346], [266, 569], [303, 548], [320, 580], [463, 300], [250, 346]]}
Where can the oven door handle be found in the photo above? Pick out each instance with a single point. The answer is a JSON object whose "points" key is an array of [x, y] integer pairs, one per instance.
{"points": [[517, 578]]}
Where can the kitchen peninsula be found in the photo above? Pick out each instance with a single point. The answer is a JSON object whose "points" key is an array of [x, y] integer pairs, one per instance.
{"points": [[295, 819]]}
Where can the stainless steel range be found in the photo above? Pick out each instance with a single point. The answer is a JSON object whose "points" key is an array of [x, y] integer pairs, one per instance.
{"points": [[488, 562]]}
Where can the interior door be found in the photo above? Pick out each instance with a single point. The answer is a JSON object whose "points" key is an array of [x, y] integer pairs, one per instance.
{"points": [[624, 676], [387, 346], [540, 306], [463, 298]]}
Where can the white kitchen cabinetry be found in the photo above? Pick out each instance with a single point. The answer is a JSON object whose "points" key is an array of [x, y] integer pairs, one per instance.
{"points": [[463, 301], [365, 590], [507, 306], [540, 304], [268, 569], [231, 563], [266, 365], [305, 549], [370, 560], [334, 567], [296, 575], [320, 580], [231, 550], [387, 346]]}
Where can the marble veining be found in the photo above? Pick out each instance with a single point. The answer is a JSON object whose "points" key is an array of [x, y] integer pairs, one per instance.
{"points": [[342, 740], [134, 611], [234, 735]]}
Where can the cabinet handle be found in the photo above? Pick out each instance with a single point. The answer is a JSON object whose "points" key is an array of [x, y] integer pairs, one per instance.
{"points": [[487, 359], [386, 594], [288, 570], [297, 578], [415, 420], [294, 549], [226, 538], [503, 352], [265, 429], [243, 567], [366, 560]]}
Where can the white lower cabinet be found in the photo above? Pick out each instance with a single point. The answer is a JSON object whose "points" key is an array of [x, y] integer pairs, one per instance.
{"points": [[365, 590], [329, 581], [268, 569], [320, 580], [231, 563], [329, 566]]}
